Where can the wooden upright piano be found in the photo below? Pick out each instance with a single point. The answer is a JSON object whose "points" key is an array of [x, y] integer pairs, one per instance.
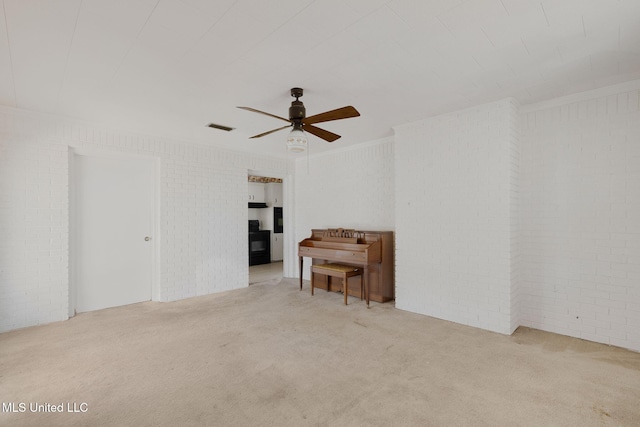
{"points": [[373, 251]]}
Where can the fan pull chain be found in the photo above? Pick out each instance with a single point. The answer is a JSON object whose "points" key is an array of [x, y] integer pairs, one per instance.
{"points": [[308, 149]]}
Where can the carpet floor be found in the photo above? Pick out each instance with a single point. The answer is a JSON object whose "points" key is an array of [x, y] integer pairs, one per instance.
{"points": [[270, 355]]}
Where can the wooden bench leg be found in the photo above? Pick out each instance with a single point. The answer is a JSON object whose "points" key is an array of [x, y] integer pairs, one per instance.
{"points": [[345, 287], [344, 273]]}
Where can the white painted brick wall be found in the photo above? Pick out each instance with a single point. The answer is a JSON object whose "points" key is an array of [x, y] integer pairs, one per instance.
{"points": [[202, 208], [454, 184], [496, 226], [350, 188], [516, 240], [203, 213], [33, 228], [580, 195]]}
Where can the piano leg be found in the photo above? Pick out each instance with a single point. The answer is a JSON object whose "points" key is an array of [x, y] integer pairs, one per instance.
{"points": [[300, 273]]}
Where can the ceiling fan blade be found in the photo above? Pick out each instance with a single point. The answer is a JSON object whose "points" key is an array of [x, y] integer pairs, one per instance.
{"points": [[320, 133], [266, 114], [271, 131], [337, 114]]}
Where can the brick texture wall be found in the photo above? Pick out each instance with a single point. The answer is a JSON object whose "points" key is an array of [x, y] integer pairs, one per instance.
{"points": [[516, 294], [350, 188], [455, 213], [504, 216], [34, 232], [580, 231], [203, 213]]}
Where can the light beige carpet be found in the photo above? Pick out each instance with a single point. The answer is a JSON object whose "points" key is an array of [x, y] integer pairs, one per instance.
{"points": [[270, 355]]}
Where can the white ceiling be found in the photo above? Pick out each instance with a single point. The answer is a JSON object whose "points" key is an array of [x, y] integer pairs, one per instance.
{"points": [[170, 67]]}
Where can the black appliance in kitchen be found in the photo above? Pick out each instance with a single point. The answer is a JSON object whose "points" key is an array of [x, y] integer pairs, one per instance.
{"points": [[277, 220], [259, 244]]}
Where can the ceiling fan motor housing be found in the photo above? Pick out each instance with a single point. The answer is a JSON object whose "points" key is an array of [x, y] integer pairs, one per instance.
{"points": [[297, 111]]}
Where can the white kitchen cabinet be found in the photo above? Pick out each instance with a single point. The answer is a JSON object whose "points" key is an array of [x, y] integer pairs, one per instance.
{"points": [[273, 193], [276, 247], [256, 192]]}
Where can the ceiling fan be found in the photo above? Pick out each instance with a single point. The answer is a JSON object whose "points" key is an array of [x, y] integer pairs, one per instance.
{"points": [[298, 120]]}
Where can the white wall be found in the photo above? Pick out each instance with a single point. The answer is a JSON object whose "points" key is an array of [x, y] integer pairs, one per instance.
{"points": [[349, 188], [34, 218], [455, 209], [580, 193], [502, 217], [203, 213], [548, 238]]}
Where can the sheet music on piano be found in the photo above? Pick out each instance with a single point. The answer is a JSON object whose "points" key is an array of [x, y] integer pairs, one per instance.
{"points": [[371, 250], [341, 235]]}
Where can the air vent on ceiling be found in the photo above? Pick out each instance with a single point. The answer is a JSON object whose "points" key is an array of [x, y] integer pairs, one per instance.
{"points": [[215, 126]]}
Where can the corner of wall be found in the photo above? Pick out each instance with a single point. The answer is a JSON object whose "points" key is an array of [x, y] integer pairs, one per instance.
{"points": [[454, 216], [350, 188], [515, 218], [579, 239], [202, 212]]}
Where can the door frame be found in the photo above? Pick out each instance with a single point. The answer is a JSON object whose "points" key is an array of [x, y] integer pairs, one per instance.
{"points": [[289, 263], [73, 206]]}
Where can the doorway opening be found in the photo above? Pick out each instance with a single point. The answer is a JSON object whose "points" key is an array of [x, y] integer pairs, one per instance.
{"points": [[266, 228]]}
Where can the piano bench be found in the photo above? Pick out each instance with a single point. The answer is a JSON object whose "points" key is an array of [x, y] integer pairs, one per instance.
{"points": [[338, 270]]}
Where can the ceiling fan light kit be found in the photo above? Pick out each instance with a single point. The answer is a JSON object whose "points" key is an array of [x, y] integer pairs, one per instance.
{"points": [[297, 139]]}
